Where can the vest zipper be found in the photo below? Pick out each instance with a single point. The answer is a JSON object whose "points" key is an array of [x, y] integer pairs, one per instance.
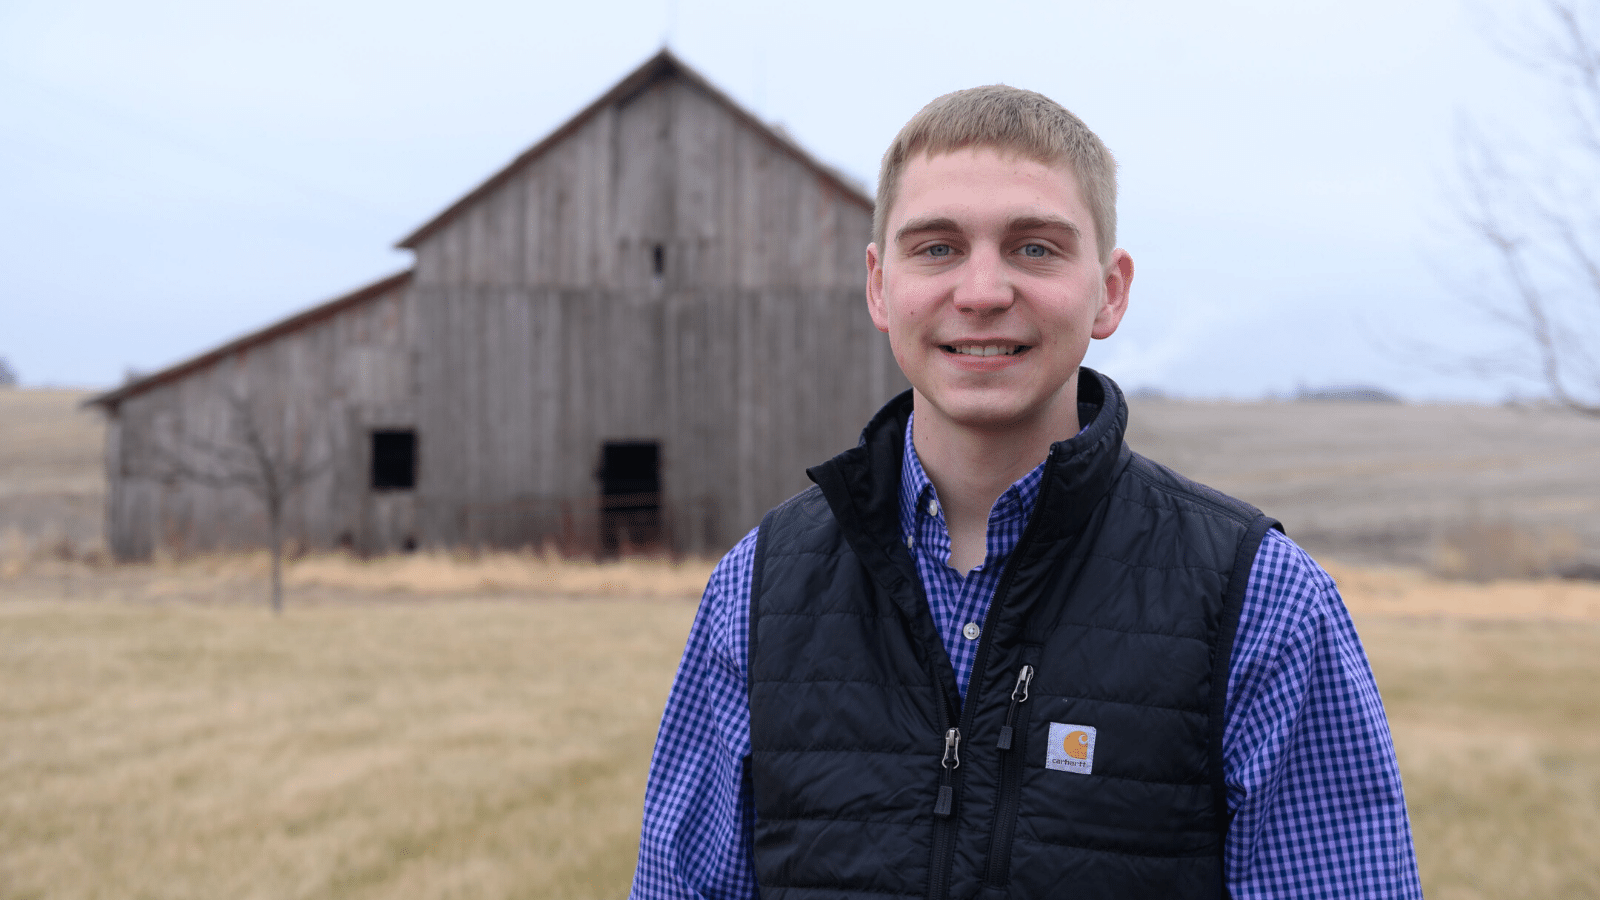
{"points": [[948, 765], [944, 822], [1019, 696], [944, 827], [1010, 797]]}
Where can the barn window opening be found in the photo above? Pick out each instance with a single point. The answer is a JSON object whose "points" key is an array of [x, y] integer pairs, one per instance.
{"points": [[630, 495], [394, 459], [660, 257]]}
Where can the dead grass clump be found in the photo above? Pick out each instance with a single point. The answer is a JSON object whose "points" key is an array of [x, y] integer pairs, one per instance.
{"points": [[1481, 550], [547, 574], [1369, 590], [36, 570], [21, 552]]}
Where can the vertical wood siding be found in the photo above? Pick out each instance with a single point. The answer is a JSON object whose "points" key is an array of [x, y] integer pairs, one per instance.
{"points": [[316, 393], [535, 328], [749, 358]]}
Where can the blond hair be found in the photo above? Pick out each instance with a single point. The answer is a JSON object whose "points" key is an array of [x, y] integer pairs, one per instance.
{"points": [[1010, 120]]}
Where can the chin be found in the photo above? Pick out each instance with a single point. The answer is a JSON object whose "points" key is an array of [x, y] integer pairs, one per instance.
{"points": [[980, 415], [999, 410]]}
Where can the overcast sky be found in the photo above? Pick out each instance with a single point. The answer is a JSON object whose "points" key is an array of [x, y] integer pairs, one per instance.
{"points": [[174, 173]]}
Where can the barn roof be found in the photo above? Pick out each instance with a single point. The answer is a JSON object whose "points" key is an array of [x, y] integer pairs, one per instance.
{"points": [[110, 399], [660, 67]]}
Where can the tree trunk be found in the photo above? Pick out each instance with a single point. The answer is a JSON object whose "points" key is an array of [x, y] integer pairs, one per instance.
{"points": [[275, 517]]}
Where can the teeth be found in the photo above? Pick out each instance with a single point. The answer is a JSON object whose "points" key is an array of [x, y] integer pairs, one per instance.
{"points": [[990, 350]]}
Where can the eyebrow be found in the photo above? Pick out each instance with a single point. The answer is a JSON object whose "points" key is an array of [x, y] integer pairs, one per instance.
{"points": [[1044, 223], [937, 224], [924, 226]]}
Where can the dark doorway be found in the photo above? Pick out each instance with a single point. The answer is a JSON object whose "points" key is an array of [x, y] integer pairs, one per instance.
{"points": [[394, 460], [630, 496]]}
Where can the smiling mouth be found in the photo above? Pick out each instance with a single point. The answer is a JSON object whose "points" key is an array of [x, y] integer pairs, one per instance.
{"points": [[987, 349]]}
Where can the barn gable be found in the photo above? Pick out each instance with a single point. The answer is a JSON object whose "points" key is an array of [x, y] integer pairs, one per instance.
{"points": [[662, 159]]}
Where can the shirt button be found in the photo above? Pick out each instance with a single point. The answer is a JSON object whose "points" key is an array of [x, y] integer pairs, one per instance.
{"points": [[933, 507], [910, 542], [970, 631]]}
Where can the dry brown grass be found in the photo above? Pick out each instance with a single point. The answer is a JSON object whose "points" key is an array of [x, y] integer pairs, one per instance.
{"points": [[474, 748], [544, 574], [1497, 727], [162, 735], [1479, 550], [1398, 592], [45, 569]]}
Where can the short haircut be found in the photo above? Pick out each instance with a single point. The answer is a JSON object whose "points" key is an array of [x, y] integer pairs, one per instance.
{"points": [[1010, 120]]}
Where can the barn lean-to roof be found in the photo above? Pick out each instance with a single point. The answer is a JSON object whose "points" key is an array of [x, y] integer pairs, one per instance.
{"points": [[660, 67], [110, 399]]}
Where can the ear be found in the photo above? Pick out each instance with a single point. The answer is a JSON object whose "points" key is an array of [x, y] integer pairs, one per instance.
{"points": [[1118, 279], [875, 305]]}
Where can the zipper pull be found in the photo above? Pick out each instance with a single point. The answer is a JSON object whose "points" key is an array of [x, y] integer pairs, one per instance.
{"points": [[1019, 695], [950, 762], [952, 748]]}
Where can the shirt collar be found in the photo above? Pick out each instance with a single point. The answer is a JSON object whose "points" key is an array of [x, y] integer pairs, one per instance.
{"points": [[917, 493]]}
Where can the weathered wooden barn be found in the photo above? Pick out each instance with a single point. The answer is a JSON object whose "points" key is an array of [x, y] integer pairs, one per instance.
{"points": [[641, 331]]}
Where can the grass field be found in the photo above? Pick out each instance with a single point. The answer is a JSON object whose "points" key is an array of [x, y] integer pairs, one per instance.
{"points": [[438, 726], [464, 748], [162, 735], [1497, 727]]}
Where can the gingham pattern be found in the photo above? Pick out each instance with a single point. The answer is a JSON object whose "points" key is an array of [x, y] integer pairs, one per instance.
{"points": [[954, 600], [1307, 757]]}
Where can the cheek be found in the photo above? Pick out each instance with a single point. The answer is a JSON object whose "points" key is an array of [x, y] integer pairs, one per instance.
{"points": [[905, 333], [912, 307], [902, 358]]}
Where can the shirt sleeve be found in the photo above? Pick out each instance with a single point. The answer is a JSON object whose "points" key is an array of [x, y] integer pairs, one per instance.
{"points": [[1309, 763], [698, 813]]}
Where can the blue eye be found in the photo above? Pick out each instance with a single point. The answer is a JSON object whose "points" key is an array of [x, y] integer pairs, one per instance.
{"points": [[1035, 251], [939, 250]]}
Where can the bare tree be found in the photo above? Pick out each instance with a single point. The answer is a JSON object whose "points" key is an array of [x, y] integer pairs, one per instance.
{"points": [[248, 458], [1537, 212]]}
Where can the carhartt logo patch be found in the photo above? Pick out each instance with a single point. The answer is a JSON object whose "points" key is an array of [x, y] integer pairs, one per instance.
{"points": [[1071, 748]]}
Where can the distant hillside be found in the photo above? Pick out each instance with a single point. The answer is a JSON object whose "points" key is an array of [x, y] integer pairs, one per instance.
{"points": [[1385, 482], [52, 478]]}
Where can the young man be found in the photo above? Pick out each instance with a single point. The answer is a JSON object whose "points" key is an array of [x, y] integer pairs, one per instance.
{"points": [[994, 653]]}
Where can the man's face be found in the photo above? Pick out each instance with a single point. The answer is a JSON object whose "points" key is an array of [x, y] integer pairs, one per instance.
{"points": [[990, 288]]}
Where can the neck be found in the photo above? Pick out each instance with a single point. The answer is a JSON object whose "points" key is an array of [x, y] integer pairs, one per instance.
{"points": [[971, 468]]}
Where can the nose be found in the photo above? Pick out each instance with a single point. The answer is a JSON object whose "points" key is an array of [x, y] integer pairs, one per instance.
{"points": [[985, 282]]}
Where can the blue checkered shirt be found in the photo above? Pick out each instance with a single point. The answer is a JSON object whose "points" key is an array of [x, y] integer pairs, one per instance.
{"points": [[1310, 768]]}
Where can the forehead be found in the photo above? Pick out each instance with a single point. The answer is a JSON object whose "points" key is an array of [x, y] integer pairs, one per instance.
{"points": [[987, 180]]}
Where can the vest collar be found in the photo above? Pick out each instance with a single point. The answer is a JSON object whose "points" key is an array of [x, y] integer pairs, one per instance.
{"points": [[862, 485]]}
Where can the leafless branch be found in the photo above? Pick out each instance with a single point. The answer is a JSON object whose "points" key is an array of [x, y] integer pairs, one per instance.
{"points": [[247, 459], [1534, 217]]}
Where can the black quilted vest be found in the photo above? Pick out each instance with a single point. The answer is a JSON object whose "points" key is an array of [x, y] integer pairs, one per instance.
{"points": [[872, 779]]}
